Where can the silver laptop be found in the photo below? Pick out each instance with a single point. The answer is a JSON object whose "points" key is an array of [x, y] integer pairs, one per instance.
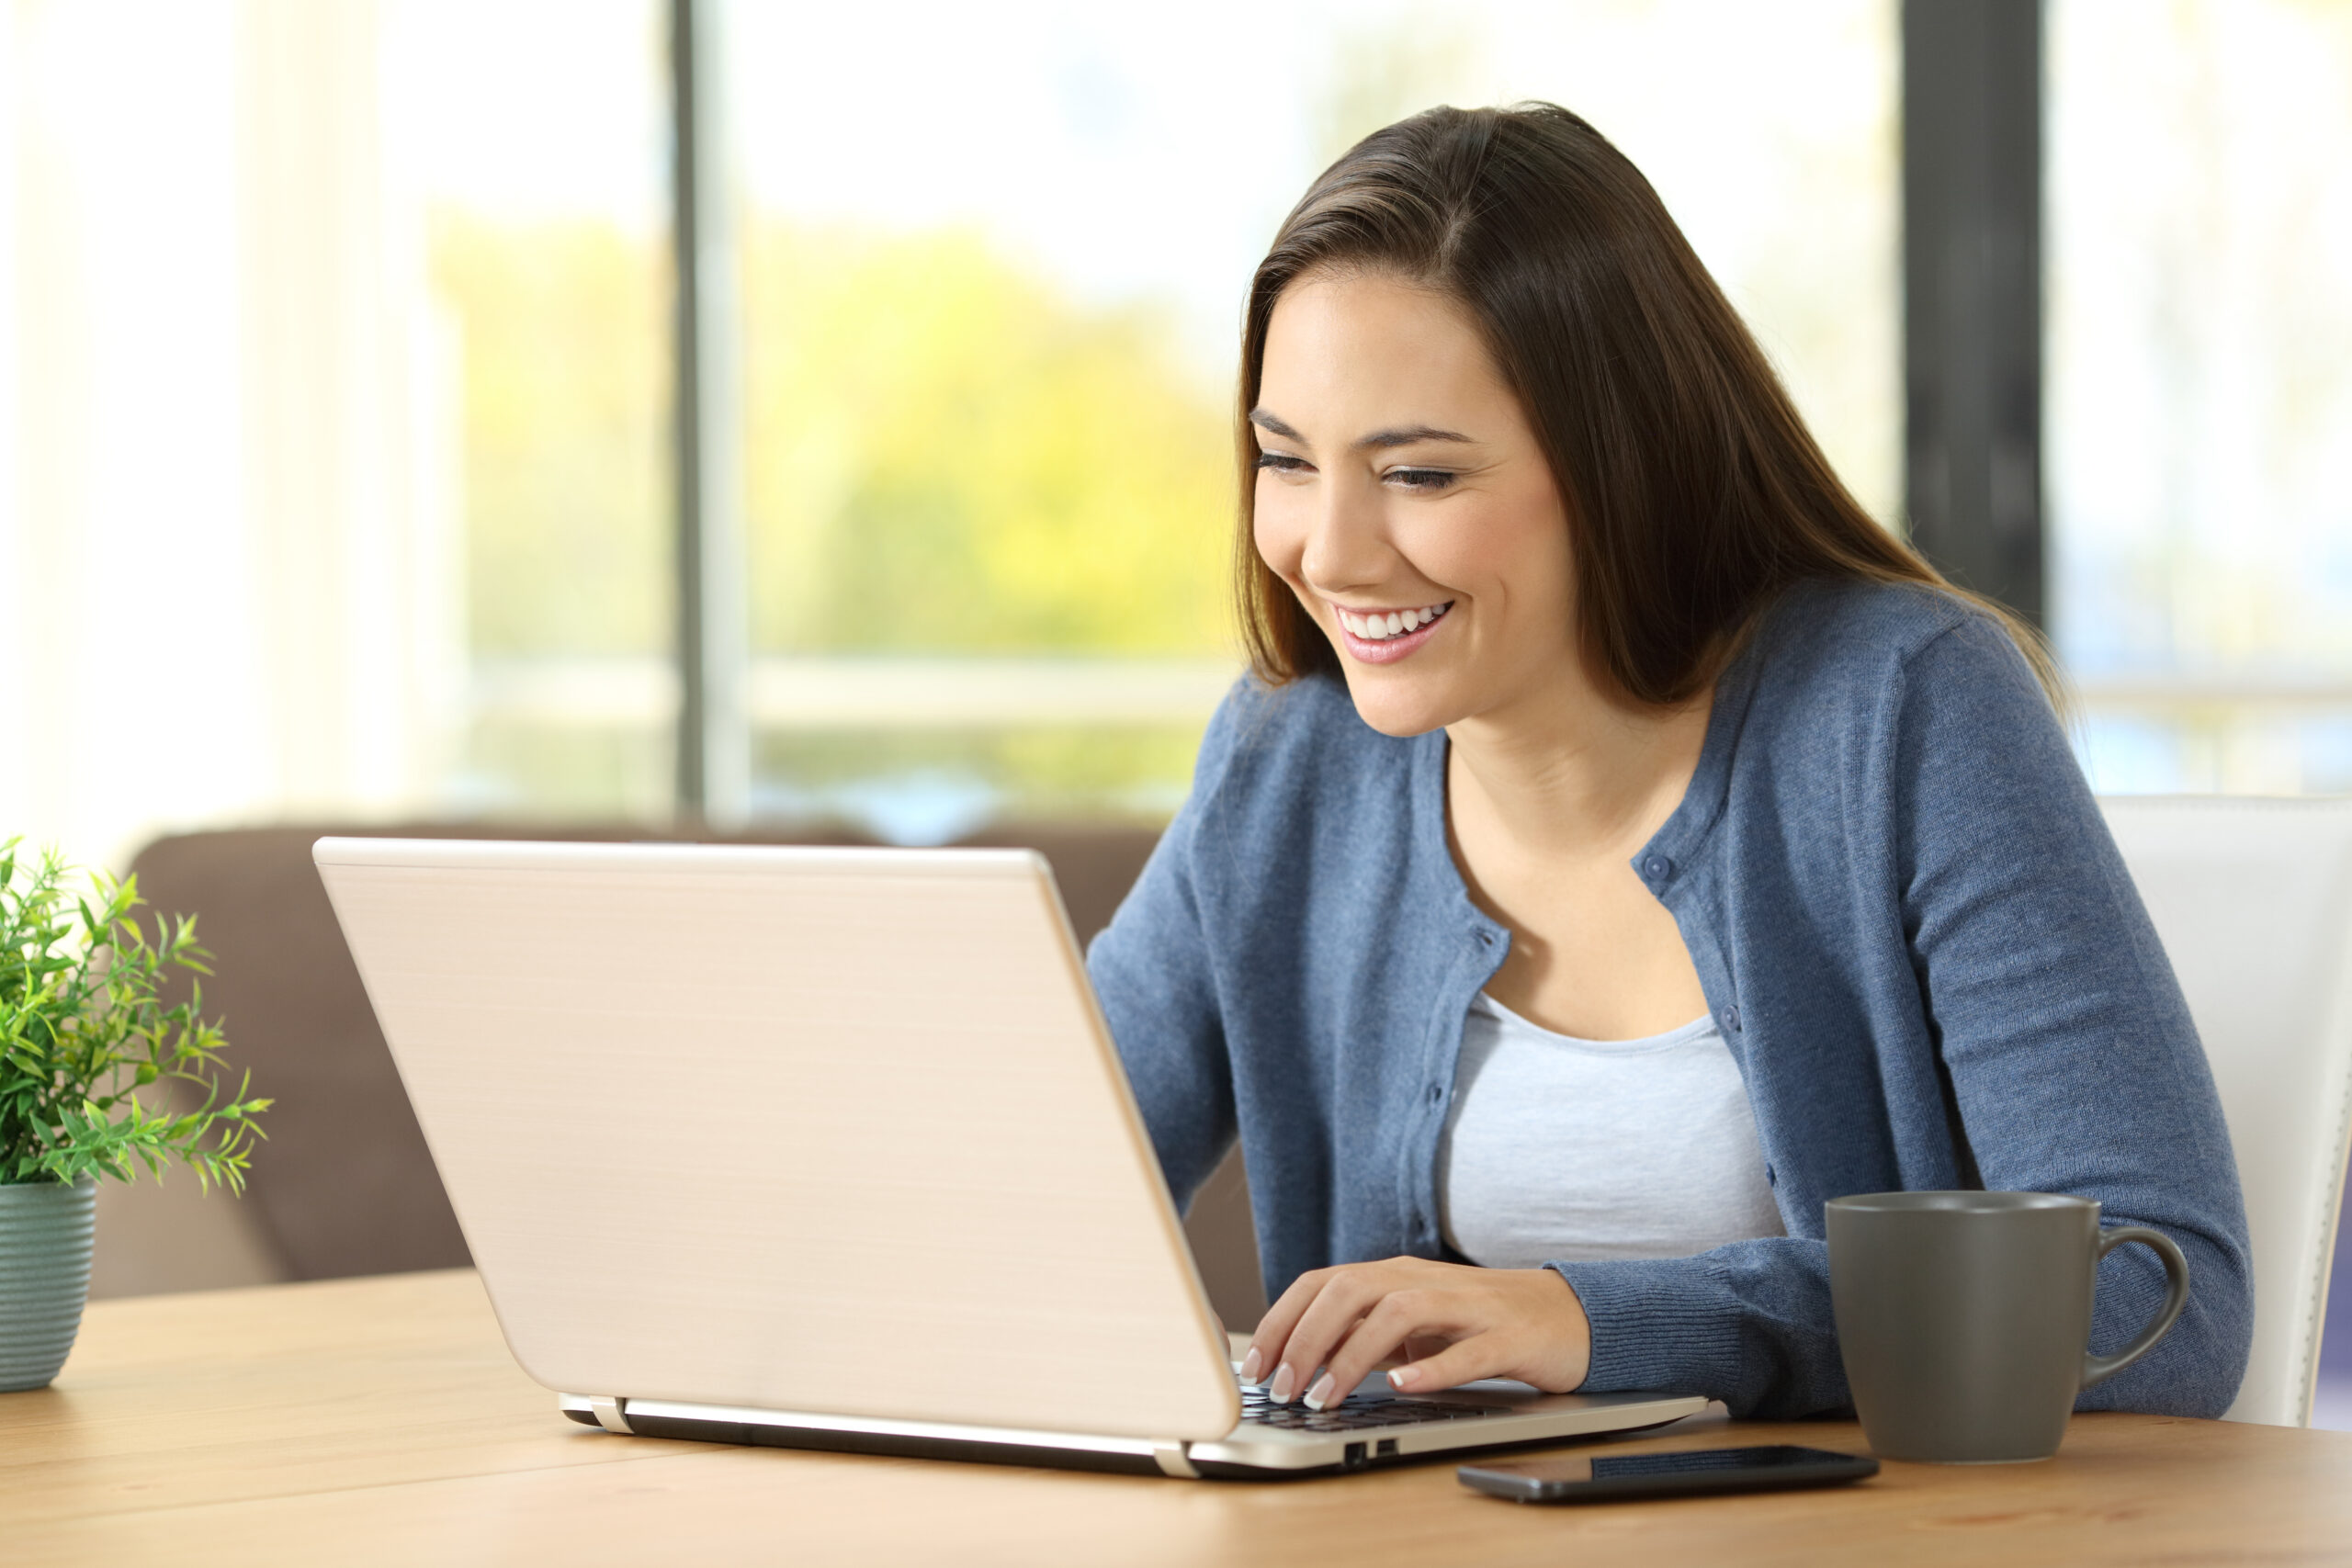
{"points": [[829, 1148]]}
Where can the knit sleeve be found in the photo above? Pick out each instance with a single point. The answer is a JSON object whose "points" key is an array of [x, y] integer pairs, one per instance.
{"points": [[2072, 1062], [1153, 974]]}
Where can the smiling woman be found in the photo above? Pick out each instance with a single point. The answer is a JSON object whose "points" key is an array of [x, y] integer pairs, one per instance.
{"points": [[1696, 486], [1379, 515], [1623, 844]]}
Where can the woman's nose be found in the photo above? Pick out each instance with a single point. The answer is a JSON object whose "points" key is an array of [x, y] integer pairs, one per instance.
{"points": [[1347, 548]]}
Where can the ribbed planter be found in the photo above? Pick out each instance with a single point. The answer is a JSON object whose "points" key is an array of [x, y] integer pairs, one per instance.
{"points": [[45, 1233]]}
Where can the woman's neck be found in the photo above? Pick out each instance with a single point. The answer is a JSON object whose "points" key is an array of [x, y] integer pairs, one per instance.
{"points": [[1568, 770]]}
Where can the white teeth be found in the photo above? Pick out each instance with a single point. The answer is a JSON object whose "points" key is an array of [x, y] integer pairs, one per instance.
{"points": [[1393, 623]]}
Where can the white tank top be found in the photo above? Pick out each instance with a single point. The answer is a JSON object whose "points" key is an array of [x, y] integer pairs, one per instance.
{"points": [[1558, 1148]]}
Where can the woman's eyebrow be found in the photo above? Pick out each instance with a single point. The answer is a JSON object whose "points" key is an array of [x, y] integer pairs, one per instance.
{"points": [[1274, 426], [1401, 435], [1407, 434]]}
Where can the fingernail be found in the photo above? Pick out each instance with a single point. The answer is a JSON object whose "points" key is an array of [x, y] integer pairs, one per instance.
{"points": [[1279, 1391], [1252, 1365], [1320, 1394], [1403, 1377]]}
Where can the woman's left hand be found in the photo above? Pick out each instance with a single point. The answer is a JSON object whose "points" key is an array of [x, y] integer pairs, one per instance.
{"points": [[1449, 1323]]}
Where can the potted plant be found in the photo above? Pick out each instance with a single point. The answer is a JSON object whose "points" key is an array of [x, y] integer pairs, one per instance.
{"points": [[82, 1030]]}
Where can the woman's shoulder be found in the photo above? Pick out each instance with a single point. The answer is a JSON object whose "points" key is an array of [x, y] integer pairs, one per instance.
{"points": [[1297, 746], [1891, 700], [1867, 627], [1851, 652], [1295, 725]]}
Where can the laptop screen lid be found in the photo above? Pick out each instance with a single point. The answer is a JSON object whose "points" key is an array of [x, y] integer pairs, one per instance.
{"points": [[825, 1129]]}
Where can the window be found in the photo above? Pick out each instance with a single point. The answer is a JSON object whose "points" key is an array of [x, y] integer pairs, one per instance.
{"points": [[993, 261], [2199, 382], [379, 297], [537, 135], [226, 560]]}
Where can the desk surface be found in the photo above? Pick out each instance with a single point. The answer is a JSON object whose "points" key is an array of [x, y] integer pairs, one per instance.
{"points": [[382, 1421]]}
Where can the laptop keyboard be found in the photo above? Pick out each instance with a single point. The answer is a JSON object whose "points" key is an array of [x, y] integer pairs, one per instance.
{"points": [[1357, 1412]]}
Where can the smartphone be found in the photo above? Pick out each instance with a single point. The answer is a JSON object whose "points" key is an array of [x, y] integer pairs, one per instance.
{"points": [[1599, 1478]]}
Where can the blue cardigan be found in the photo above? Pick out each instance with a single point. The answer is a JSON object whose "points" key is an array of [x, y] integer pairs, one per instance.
{"points": [[1906, 912]]}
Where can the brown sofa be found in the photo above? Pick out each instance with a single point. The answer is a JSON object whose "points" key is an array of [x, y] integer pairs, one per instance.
{"points": [[344, 1185]]}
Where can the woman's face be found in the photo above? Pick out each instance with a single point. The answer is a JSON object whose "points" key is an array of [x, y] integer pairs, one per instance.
{"points": [[1401, 494]]}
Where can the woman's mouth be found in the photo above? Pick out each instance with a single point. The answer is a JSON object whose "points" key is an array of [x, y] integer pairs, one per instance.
{"points": [[1383, 636]]}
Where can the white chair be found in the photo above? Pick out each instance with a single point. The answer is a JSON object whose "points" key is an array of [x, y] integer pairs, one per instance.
{"points": [[2253, 901]]}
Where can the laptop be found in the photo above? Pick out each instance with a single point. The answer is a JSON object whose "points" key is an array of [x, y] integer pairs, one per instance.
{"points": [[822, 1147]]}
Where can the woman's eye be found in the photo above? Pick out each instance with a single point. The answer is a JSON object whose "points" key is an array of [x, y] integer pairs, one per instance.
{"points": [[1281, 463], [1421, 479]]}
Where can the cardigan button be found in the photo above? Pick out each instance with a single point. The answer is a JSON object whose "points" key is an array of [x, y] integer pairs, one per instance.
{"points": [[1731, 1019], [1437, 1092]]}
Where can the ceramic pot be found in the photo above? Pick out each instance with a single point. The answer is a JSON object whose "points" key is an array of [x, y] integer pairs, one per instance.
{"points": [[45, 1233]]}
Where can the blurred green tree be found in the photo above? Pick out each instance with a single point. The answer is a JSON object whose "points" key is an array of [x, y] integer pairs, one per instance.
{"points": [[946, 454], [564, 332]]}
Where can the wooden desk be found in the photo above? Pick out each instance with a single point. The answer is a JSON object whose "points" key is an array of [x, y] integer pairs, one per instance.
{"points": [[382, 1421]]}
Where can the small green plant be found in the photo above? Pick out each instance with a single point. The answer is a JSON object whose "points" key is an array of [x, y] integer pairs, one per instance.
{"points": [[83, 1028]]}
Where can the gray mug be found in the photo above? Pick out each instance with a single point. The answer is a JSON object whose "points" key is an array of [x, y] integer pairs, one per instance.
{"points": [[1964, 1318]]}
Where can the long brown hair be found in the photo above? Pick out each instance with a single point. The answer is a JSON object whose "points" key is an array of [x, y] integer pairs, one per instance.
{"points": [[1694, 492]]}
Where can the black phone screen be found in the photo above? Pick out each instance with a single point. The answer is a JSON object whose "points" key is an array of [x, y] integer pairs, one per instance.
{"points": [[1580, 1478]]}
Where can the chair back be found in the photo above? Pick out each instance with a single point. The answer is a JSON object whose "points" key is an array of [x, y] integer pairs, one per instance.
{"points": [[2253, 901]]}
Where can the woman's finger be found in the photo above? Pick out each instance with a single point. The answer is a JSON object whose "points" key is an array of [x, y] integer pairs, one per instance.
{"points": [[1265, 1351], [1482, 1354], [1396, 1316], [1345, 1297]]}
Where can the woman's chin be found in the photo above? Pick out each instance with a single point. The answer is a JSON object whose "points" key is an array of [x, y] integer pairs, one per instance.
{"points": [[1397, 705]]}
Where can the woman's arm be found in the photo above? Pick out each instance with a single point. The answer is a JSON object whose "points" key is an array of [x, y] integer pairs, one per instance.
{"points": [[2074, 1062], [1152, 975], [2070, 1051]]}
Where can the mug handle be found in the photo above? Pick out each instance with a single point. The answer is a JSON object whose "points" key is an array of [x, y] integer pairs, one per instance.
{"points": [[2099, 1369]]}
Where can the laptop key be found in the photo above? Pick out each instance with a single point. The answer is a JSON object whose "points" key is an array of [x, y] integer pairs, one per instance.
{"points": [[1357, 1413]]}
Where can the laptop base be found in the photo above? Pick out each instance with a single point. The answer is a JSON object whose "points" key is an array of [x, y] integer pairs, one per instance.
{"points": [[1121, 1456]]}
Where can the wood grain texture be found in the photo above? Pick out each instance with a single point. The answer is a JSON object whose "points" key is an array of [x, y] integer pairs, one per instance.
{"points": [[382, 1421]]}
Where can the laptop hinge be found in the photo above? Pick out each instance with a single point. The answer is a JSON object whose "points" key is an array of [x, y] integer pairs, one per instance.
{"points": [[1171, 1459], [612, 1414]]}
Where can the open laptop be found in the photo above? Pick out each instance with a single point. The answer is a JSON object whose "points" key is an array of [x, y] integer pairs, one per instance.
{"points": [[829, 1148]]}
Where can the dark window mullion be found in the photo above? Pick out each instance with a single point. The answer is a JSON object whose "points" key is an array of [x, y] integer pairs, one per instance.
{"points": [[1971, 273], [714, 764]]}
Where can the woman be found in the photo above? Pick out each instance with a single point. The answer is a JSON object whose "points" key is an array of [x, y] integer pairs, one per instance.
{"points": [[1622, 845]]}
